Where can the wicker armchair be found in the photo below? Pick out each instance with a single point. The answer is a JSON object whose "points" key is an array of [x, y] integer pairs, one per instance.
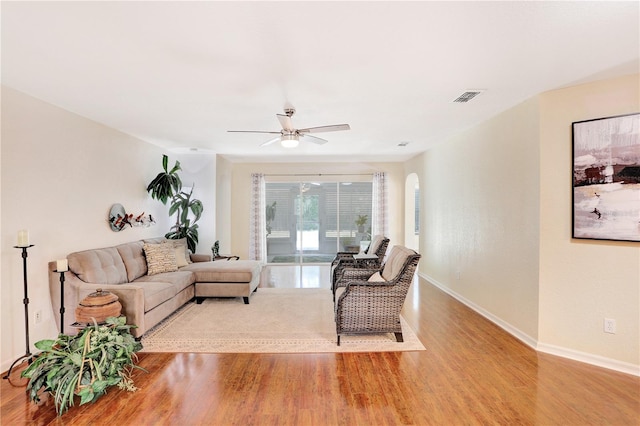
{"points": [[344, 260], [368, 301]]}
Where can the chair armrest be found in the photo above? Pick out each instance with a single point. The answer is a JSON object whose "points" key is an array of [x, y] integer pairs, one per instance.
{"points": [[354, 290], [357, 274], [195, 257], [342, 255]]}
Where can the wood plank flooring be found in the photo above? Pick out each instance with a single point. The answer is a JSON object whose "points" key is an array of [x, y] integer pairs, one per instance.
{"points": [[472, 373]]}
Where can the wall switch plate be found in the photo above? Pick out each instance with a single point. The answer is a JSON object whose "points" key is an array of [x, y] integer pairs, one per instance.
{"points": [[610, 325]]}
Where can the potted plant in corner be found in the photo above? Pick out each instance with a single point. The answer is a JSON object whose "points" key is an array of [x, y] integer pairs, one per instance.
{"points": [[183, 204], [166, 186], [361, 220], [270, 215]]}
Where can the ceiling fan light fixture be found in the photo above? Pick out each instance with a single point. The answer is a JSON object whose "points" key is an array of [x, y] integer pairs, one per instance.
{"points": [[289, 141]]}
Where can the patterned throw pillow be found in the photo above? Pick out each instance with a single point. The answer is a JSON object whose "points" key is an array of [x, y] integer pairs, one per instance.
{"points": [[160, 258]]}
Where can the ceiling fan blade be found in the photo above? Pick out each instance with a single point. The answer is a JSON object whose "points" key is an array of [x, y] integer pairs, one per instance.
{"points": [[285, 122], [253, 131], [313, 139], [270, 141], [332, 128]]}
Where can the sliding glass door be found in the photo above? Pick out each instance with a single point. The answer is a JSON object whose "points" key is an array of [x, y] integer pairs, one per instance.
{"points": [[308, 222]]}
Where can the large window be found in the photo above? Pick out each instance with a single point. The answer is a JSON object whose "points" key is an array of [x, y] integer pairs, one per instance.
{"points": [[308, 222]]}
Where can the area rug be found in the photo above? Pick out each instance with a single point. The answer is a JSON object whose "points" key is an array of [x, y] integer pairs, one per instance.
{"points": [[276, 321]]}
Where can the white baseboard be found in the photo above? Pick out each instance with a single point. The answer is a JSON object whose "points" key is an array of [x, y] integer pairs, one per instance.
{"points": [[597, 360]]}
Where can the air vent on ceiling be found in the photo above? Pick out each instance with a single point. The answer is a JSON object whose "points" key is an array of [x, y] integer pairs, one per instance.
{"points": [[467, 96], [403, 144]]}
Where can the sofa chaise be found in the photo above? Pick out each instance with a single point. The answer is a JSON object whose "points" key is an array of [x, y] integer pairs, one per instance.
{"points": [[152, 279]]}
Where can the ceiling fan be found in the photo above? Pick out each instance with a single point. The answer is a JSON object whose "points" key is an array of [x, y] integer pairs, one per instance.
{"points": [[289, 136]]}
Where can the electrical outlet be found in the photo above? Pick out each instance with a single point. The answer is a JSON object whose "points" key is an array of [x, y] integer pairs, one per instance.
{"points": [[458, 274], [610, 325], [38, 317]]}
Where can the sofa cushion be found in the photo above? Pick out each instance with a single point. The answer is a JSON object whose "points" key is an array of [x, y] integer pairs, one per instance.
{"points": [[156, 293], [133, 257], [395, 262], [375, 244], [99, 266], [376, 278], [160, 258], [232, 271], [179, 279]]}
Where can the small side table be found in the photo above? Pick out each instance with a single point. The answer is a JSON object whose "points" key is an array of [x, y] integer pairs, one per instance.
{"points": [[226, 256], [362, 259]]}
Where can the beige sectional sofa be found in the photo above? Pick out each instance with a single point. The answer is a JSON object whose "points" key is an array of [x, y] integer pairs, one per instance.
{"points": [[148, 298]]}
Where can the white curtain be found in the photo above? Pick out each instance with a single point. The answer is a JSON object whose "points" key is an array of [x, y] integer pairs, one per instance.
{"points": [[380, 214], [258, 223]]}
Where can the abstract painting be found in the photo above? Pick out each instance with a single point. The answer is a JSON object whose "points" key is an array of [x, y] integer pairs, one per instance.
{"points": [[606, 178]]}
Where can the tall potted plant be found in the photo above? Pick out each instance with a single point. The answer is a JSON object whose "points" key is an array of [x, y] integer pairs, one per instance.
{"points": [[166, 186], [183, 204], [270, 215]]}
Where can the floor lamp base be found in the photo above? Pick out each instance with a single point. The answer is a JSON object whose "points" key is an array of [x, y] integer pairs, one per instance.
{"points": [[27, 357]]}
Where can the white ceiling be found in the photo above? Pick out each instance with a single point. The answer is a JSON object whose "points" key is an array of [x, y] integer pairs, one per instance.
{"points": [[180, 74]]}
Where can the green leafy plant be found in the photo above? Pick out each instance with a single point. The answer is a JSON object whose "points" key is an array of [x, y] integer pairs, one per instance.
{"points": [[84, 365], [361, 220], [270, 215], [183, 204], [166, 184]]}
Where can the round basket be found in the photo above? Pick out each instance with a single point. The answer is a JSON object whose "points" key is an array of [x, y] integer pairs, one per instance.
{"points": [[99, 306]]}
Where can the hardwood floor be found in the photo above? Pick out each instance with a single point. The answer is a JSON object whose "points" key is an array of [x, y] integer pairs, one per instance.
{"points": [[472, 373]]}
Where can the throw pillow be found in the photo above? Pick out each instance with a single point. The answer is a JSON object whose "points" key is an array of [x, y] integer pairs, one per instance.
{"points": [[160, 258], [181, 260], [182, 243], [376, 277]]}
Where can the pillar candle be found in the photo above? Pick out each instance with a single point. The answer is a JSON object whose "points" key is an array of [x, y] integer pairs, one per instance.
{"points": [[63, 266], [23, 238]]}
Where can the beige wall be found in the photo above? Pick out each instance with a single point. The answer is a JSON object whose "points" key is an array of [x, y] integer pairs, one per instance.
{"points": [[496, 207], [582, 282], [240, 195], [479, 212], [60, 174]]}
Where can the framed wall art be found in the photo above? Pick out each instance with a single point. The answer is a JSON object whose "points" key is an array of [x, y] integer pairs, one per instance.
{"points": [[606, 178]]}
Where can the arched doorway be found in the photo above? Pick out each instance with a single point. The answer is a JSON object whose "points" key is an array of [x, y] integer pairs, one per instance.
{"points": [[412, 212]]}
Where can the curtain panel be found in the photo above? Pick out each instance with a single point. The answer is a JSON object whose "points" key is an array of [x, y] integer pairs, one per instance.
{"points": [[380, 212], [258, 222]]}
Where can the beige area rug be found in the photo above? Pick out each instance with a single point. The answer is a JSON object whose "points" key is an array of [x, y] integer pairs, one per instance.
{"points": [[275, 321]]}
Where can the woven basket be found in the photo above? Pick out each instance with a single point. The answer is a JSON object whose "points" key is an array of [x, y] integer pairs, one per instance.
{"points": [[99, 306]]}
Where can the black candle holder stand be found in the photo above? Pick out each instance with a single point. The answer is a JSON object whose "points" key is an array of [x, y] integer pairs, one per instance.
{"points": [[28, 356], [61, 300]]}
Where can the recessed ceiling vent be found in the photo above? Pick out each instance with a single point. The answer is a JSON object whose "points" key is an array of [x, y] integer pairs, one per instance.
{"points": [[467, 96]]}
